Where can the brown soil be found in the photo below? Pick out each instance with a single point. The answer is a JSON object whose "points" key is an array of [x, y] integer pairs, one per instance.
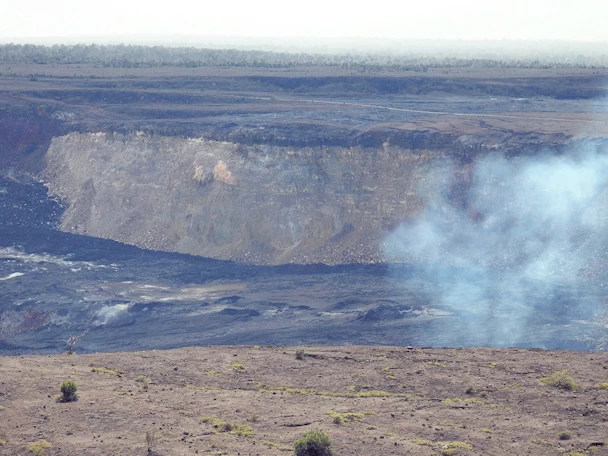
{"points": [[427, 400]]}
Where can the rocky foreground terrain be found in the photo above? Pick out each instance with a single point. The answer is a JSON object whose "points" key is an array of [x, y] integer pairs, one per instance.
{"points": [[371, 401]]}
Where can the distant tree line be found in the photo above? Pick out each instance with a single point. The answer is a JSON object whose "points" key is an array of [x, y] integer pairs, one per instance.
{"points": [[136, 56]]}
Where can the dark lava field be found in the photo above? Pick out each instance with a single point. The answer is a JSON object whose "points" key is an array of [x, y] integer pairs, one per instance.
{"points": [[55, 284], [446, 209]]}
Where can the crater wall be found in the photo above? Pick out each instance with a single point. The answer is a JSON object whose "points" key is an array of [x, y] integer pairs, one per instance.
{"points": [[258, 204]]}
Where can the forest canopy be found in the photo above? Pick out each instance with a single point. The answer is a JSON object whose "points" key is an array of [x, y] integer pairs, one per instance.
{"points": [[138, 56]]}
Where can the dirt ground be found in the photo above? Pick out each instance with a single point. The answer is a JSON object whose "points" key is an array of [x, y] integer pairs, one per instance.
{"points": [[370, 400]]}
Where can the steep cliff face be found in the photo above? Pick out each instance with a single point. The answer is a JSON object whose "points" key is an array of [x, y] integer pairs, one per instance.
{"points": [[285, 167], [257, 204]]}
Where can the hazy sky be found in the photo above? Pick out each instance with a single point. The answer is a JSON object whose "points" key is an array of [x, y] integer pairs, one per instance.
{"points": [[436, 19]]}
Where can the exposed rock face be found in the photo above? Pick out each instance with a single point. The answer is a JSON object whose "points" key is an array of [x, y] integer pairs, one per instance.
{"points": [[258, 204]]}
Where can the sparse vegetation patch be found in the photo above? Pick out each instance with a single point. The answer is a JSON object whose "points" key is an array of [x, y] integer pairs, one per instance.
{"points": [[39, 448], [561, 380], [238, 367], [277, 446], [226, 426], [542, 442], [450, 447], [335, 392], [348, 417], [105, 370], [423, 442]]}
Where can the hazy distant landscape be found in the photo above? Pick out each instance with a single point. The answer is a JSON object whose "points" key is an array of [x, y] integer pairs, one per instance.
{"points": [[362, 55]]}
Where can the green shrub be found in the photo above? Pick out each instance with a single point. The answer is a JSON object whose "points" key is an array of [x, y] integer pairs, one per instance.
{"points": [[300, 353], [561, 380], [313, 443], [68, 391], [564, 435]]}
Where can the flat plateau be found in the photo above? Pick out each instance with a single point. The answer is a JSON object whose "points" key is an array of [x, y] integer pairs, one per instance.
{"points": [[396, 401]]}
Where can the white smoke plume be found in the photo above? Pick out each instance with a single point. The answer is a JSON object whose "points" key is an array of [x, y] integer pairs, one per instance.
{"points": [[521, 233]]}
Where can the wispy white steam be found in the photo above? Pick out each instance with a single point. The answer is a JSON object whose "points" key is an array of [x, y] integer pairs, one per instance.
{"points": [[502, 238]]}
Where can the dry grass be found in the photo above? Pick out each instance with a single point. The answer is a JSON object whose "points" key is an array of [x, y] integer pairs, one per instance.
{"points": [[561, 380]]}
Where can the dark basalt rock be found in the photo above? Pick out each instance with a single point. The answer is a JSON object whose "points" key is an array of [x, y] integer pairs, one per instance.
{"points": [[382, 312]]}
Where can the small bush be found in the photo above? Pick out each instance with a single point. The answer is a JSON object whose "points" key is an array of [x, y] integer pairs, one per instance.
{"points": [[604, 386], [561, 380], [68, 391], [313, 443], [564, 435], [300, 353], [242, 429], [39, 448]]}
